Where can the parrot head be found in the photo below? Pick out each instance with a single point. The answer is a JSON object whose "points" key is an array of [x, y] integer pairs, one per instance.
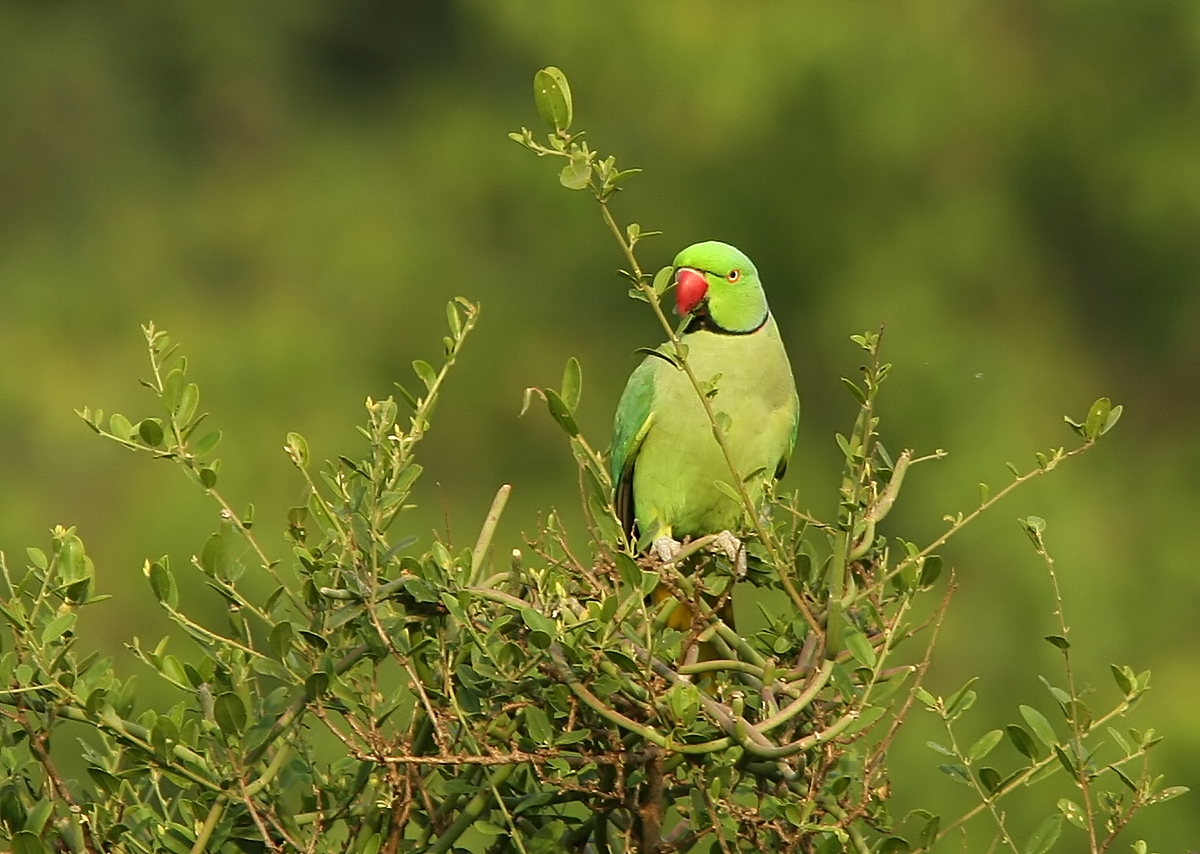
{"points": [[717, 281]]}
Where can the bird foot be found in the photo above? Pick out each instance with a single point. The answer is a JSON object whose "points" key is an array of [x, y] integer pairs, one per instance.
{"points": [[730, 546], [666, 549]]}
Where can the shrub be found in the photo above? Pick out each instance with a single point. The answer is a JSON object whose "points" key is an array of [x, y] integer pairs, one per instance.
{"points": [[538, 701]]}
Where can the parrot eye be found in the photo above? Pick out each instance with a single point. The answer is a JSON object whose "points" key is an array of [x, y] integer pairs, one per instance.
{"points": [[733, 276]]}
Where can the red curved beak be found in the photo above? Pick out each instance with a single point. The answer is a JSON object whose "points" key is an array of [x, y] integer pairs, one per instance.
{"points": [[690, 288]]}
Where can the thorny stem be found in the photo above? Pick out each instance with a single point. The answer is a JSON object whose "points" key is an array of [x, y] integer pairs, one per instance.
{"points": [[188, 461], [1079, 758], [900, 716], [962, 521], [986, 799], [1033, 769]]}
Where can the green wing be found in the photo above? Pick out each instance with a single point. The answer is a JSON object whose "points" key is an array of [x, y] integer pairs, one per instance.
{"points": [[635, 414], [781, 469]]}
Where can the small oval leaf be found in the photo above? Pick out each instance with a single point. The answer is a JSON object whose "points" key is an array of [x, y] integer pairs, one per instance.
{"points": [[162, 582], [230, 712], [151, 431], [984, 745], [1040, 726], [552, 95], [1022, 741], [572, 384], [207, 444], [297, 448]]}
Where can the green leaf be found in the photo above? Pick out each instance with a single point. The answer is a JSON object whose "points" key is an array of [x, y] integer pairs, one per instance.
{"points": [[35, 821], [961, 700], [1097, 417], [662, 280], [1034, 526], [151, 431], [189, 402], [208, 475], [990, 779], [616, 178], [174, 671], [956, 771], [684, 701], [207, 444], [931, 568], [576, 174], [297, 448], [984, 745], [945, 751], [230, 712], [213, 557], [172, 388], [894, 845], [537, 621], [120, 427], [1022, 741], [426, 372], [1169, 793], [453, 319], [1080, 714], [162, 582], [58, 627], [561, 412], [1044, 836], [1062, 697], [25, 842], [1125, 778], [630, 572], [728, 491], [408, 396], [108, 783], [552, 95], [860, 648], [71, 562], [925, 697], [1059, 641], [930, 831], [317, 683], [1066, 761], [1072, 812], [1120, 740], [1114, 416], [572, 384], [537, 724], [454, 607], [1040, 726], [38, 558], [14, 612], [859, 394], [1124, 677]]}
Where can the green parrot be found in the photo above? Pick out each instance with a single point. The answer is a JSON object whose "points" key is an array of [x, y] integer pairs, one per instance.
{"points": [[665, 460]]}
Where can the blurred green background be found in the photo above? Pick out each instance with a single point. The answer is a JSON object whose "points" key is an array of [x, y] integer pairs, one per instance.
{"points": [[294, 189]]}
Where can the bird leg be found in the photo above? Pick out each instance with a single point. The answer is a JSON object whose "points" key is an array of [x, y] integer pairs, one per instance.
{"points": [[730, 546], [666, 548]]}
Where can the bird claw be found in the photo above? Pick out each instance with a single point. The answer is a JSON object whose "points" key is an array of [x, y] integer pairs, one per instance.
{"points": [[666, 549], [730, 546]]}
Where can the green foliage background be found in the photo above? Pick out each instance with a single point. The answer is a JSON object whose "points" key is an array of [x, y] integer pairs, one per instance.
{"points": [[294, 190]]}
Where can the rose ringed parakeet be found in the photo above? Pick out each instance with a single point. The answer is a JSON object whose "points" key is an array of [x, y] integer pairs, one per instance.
{"points": [[665, 460]]}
